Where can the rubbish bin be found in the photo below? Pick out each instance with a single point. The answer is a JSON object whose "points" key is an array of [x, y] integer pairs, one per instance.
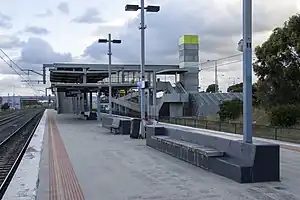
{"points": [[135, 128]]}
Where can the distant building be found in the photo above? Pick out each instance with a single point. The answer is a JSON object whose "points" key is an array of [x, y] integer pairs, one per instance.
{"points": [[13, 101], [18, 102]]}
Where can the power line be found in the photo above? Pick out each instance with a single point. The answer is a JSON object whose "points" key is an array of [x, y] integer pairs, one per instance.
{"points": [[219, 59], [10, 63], [223, 64], [11, 60]]}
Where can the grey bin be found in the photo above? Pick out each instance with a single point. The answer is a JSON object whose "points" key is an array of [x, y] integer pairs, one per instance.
{"points": [[135, 128]]}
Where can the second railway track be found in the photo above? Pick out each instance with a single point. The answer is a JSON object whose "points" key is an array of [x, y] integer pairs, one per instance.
{"points": [[14, 145], [10, 118]]}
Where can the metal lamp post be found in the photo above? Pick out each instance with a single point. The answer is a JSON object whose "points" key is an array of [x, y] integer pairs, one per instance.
{"points": [[142, 70], [245, 45], [109, 41]]}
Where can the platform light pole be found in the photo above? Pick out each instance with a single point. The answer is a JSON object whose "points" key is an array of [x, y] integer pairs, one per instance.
{"points": [[109, 41], [245, 45], [149, 8]]}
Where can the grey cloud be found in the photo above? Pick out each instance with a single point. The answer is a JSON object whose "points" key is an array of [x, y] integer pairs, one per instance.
{"points": [[10, 41], [219, 29], [5, 21], [36, 30], [90, 16], [38, 51], [11, 83], [103, 28], [47, 13], [64, 7], [34, 53]]}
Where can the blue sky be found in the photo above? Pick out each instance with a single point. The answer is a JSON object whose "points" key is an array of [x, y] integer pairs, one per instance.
{"points": [[33, 32]]}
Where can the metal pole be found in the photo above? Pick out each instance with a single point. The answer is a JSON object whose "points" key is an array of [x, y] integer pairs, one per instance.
{"points": [[98, 105], [78, 104], [148, 97], [85, 102], [91, 102], [154, 95], [247, 70], [142, 73], [216, 77], [109, 75]]}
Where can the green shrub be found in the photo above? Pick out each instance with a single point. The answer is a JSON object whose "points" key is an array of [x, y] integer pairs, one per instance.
{"points": [[284, 115], [231, 109], [5, 106]]}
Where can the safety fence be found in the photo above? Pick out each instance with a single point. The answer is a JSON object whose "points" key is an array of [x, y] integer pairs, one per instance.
{"points": [[269, 132]]}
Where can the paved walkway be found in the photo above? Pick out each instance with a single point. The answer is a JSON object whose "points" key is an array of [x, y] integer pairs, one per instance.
{"points": [[81, 160]]}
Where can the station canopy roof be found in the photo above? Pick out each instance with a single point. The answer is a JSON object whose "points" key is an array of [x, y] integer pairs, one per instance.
{"points": [[66, 76], [171, 71], [73, 72]]}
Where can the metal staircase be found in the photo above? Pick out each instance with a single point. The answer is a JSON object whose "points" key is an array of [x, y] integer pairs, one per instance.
{"points": [[205, 104], [171, 94]]}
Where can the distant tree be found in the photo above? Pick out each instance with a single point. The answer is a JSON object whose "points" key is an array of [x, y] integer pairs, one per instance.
{"points": [[231, 109], [278, 65], [235, 88], [284, 115], [5, 106], [212, 88], [239, 88]]}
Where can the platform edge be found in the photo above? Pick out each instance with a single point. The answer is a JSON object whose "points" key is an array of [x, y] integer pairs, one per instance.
{"points": [[25, 180]]}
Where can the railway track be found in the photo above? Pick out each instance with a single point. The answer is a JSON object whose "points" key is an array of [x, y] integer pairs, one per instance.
{"points": [[14, 146], [10, 118]]}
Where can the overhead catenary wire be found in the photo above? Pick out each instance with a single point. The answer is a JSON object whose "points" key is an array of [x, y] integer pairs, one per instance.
{"points": [[225, 61], [13, 66], [212, 62]]}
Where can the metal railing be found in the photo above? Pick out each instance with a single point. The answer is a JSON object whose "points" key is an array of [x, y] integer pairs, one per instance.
{"points": [[263, 131], [126, 114]]}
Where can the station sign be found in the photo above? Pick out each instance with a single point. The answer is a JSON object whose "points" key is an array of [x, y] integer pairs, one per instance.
{"points": [[72, 93], [142, 84]]}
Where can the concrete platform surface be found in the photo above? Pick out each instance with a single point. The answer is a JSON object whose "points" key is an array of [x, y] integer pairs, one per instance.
{"points": [[81, 160]]}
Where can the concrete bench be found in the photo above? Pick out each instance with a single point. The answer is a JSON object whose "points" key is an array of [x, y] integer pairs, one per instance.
{"points": [[88, 115], [226, 156], [205, 151], [119, 124], [115, 125]]}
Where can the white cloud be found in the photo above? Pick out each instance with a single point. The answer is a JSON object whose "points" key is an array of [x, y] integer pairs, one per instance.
{"points": [[10, 41], [47, 13], [217, 22], [204, 18], [90, 16], [12, 84]]}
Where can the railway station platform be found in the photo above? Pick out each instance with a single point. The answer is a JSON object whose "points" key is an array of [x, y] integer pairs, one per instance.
{"points": [[78, 159]]}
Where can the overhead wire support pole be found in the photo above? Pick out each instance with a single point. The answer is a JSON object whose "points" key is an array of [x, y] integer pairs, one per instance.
{"points": [[247, 71], [216, 77], [33, 71]]}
